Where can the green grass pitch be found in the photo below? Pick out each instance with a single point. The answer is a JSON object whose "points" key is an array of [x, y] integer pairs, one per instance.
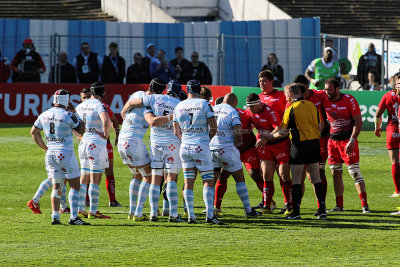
{"points": [[349, 238]]}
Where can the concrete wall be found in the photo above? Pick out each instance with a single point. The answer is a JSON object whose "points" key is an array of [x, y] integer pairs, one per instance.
{"points": [[135, 11], [188, 8], [250, 10]]}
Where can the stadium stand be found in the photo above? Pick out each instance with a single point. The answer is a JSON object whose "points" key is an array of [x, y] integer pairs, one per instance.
{"points": [[353, 17], [54, 9]]}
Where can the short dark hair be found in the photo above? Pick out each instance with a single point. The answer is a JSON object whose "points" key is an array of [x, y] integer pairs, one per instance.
{"points": [[205, 93], [219, 100], [83, 43], [266, 73], [161, 51], [333, 81], [300, 79], [252, 97], [302, 87], [113, 44], [137, 54], [85, 90], [178, 48]]}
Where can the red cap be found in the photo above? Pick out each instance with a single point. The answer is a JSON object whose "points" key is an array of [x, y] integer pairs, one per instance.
{"points": [[28, 41]]}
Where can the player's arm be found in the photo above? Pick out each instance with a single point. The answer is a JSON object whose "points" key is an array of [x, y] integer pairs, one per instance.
{"points": [[212, 127], [105, 119], [237, 135], [78, 135], [378, 121], [356, 131], [115, 125], [134, 103], [80, 129], [153, 120], [177, 130], [35, 132]]}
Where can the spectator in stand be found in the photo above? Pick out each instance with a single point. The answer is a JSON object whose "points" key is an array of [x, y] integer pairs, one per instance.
{"points": [[369, 61], [27, 64], [160, 68], [275, 68], [151, 55], [5, 71], [113, 69], [322, 69], [88, 65], [199, 71], [181, 66], [137, 73], [373, 82], [331, 44], [67, 72]]}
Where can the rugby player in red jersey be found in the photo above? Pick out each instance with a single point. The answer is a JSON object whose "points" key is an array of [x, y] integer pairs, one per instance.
{"points": [[276, 100], [345, 120], [317, 97], [390, 102], [273, 154]]}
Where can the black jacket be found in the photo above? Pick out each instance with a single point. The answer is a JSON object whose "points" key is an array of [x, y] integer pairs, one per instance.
{"points": [[109, 73]]}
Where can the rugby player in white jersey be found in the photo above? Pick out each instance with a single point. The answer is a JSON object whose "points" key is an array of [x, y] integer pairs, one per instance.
{"points": [[133, 151], [223, 148], [165, 145], [92, 148], [195, 125], [57, 124]]}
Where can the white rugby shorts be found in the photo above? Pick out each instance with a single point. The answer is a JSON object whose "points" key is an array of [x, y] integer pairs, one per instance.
{"points": [[165, 156], [227, 158], [133, 152], [61, 164], [93, 156], [196, 156]]}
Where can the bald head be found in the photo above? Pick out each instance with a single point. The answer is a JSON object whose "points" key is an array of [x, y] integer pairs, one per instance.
{"points": [[230, 99]]}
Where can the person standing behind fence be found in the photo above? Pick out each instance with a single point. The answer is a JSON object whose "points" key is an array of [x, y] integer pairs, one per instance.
{"points": [[160, 68], [181, 65], [151, 55], [27, 64], [137, 73], [113, 69], [5, 71], [66, 73], [199, 71], [88, 65], [275, 68], [369, 61], [322, 69]]}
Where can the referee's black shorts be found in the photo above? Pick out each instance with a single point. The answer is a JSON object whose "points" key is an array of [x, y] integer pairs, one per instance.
{"points": [[305, 152]]}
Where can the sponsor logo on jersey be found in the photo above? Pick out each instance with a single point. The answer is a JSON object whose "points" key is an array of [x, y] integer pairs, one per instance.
{"points": [[55, 139], [189, 109], [281, 155], [170, 160]]}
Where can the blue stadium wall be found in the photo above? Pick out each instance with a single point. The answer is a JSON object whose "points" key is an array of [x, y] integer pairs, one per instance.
{"points": [[243, 56]]}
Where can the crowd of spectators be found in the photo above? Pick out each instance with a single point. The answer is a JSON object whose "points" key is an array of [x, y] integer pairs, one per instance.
{"points": [[89, 67]]}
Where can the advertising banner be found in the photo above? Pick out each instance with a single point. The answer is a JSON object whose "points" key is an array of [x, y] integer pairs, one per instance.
{"points": [[23, 102], [368, 102], [359, 46]]}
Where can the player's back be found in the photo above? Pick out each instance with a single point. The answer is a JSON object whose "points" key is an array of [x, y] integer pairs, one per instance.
{"points": [[227, 117], [57, 125], [134, 125], [161, 105], [192, 115], [90, 111]]}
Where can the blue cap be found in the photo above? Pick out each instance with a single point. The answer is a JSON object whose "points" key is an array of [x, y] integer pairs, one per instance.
{"points": [[174, 87], [193, 86], [149, 45]]}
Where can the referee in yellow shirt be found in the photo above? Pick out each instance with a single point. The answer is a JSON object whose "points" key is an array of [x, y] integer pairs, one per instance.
{"points": [[302, 120]]}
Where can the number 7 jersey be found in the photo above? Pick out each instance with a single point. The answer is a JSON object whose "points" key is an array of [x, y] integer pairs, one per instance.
{"points": [[192, 115]]}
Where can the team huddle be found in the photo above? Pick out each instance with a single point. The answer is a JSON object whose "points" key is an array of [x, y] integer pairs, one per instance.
{"points": [[298, 129]]}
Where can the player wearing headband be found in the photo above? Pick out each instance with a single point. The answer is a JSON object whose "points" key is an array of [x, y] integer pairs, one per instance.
{"points": [[57, 124], [93, 147]]}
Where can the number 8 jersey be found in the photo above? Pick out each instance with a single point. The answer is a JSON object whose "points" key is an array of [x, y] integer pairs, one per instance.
{"points": [[192, 115], [57, 124]]}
